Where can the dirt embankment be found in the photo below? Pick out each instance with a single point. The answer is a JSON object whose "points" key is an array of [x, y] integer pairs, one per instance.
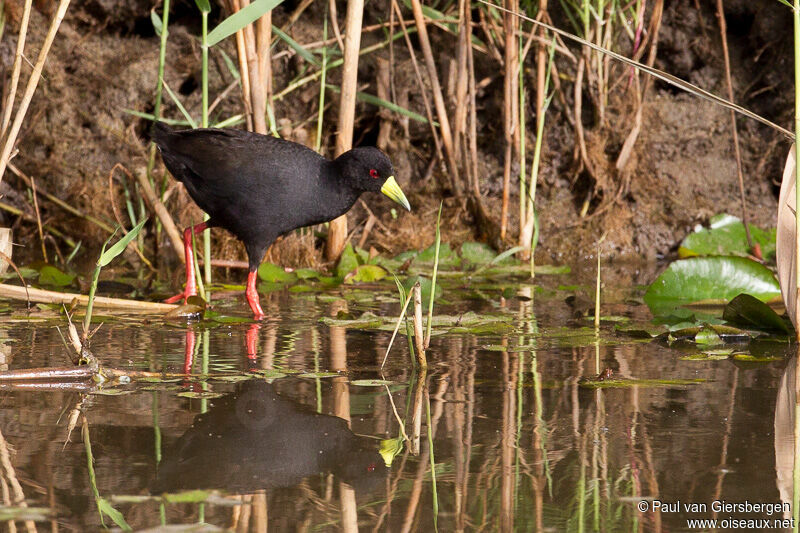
{"points": [[681, 172]]}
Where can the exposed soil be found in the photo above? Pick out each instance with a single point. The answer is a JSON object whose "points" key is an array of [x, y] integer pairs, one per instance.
{"points": [[682, 170]]}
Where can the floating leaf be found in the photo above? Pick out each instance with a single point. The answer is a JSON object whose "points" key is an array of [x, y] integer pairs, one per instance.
{"points": [[477, 253], [623, 383], [306, 273], [707, 337], [425, 287], [348, 261], [50, 275], [726, 236], [190, 496], [319, 375], [366, 274], [749, 312], [705, 356], [447, 257], [205, 395], [275, 274], [370, 382], [111, 392], [717, 279], [240, 19]]}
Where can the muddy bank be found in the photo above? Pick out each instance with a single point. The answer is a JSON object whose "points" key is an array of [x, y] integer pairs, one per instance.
{"points": [[681, 172]]}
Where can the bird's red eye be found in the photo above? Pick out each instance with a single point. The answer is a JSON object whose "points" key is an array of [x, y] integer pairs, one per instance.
{"points": [[371, 467], [373, 173]]}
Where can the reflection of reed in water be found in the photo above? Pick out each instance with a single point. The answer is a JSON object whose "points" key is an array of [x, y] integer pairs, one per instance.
{"points": [[256, 439], [784, 432]]}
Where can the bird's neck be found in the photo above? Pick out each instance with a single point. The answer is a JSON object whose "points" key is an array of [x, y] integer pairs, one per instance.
{"points": [[339, 196]]}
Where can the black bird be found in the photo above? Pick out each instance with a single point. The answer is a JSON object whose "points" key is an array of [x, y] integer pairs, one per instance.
{"points": [[256, 439], [260, 187]]}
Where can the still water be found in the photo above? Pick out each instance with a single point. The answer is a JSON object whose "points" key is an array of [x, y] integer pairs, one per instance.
{"points": [[279, 427]]}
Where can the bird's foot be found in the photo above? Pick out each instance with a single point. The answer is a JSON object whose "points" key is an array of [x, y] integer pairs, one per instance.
{"points": [[185, 295], [252, 297]]}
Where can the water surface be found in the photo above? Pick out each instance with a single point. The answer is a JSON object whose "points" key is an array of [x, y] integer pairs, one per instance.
{"points": [[279, 426]]}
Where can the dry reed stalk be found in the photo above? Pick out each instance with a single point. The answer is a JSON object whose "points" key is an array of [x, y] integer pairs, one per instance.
{"points": [[462, 76], [510, 103], [38, 219], [161, 212], [30, 88], [335, 23], [263, 41], [723, 30], [337, 229], [294, 16], [438, 99], [241, 49], [258, 95], [630, 140], [16, 292], [15, 70], [490, 35], [422, 91], [418, 333]]}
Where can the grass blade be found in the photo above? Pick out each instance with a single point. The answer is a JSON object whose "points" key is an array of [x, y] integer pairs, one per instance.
{"points": [[182, 109], [660, 74], [302, 52], [108, 255], [391, 106], [240, 19]]}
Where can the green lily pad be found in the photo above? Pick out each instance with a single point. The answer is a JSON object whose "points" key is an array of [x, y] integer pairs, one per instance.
{"points": [[425, 285], [624, 383], [726, 236], [707, 334], [749, 312], [703, 279], [50, 275], [206, 395], [747, 358], [477, 253], [306, 273], [705, 357], [275, 274], [447, 257], [370, 382], [348, 261], [319, 375], [707, 337], [191, 496], [365, 274]]}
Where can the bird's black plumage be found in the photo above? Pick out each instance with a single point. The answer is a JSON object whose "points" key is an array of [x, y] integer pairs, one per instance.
{"points": [[260, 187]]}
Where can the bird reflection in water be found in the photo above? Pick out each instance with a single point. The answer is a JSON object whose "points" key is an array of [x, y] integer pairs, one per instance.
{"points": [[257, 439]]}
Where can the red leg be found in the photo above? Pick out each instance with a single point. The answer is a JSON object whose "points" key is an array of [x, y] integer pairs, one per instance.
{"points": [[252, 296], [251, 340], [191, 286], [188, 356]]}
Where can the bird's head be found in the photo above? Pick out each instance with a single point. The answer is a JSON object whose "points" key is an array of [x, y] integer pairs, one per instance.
{"points": [[368, 169]]}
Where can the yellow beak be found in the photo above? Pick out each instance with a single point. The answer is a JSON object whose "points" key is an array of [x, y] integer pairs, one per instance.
{"points": [[393, 191]]}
